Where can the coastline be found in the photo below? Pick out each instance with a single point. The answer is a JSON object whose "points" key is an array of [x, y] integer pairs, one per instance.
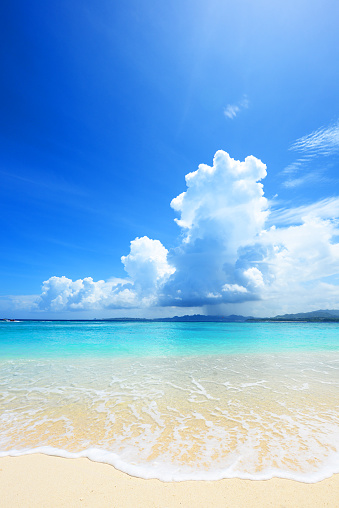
{"points": [[51, 482]]}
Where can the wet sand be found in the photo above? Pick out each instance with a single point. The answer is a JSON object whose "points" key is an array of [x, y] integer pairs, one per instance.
{"points": [[39, 480]]}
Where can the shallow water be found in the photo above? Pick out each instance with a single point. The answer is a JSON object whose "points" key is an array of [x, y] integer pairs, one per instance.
{"points": [[175, 401]]}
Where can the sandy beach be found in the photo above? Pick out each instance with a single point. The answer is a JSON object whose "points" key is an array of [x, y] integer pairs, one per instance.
{"points": [[45, 481]]}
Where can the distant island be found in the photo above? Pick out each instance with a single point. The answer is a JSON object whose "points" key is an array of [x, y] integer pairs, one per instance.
{"points": [[317, 316]]}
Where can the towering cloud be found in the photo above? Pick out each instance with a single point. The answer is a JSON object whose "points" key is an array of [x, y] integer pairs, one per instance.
{"points": [[222, 211], [226, 252]]}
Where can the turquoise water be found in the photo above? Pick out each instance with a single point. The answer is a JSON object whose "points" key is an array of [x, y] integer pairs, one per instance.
{"points": [[175, 401], [104, 339]]}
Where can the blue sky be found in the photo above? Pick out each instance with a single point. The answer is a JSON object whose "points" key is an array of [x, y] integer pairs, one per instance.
{"points": [[106, 106]]}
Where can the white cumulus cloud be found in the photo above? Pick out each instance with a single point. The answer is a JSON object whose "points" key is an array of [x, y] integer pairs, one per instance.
{"points": [[222, 210], [62, 293], [147, 267], [147, 264], [231, 252], [300, 259]]}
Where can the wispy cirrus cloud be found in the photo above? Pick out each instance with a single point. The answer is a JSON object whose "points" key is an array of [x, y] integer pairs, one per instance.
{"points": [[309, 178], [295, 166], [232, 110], [323, 141], [327, 208]]}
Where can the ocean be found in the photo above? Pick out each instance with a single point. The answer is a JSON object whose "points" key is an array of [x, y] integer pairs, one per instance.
{"points": [[175, 401]]}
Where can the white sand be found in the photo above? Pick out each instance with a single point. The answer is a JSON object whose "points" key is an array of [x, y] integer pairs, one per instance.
{"points": [[43, 481]]}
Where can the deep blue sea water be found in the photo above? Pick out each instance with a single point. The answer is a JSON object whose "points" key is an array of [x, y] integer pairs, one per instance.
{"points": [[175, 401]]}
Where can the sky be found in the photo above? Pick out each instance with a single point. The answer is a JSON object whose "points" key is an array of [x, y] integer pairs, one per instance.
{"points": [[169, 158]]}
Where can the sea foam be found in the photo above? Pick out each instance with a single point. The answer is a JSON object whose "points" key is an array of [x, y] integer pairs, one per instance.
{"points": [[206, 417]]}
